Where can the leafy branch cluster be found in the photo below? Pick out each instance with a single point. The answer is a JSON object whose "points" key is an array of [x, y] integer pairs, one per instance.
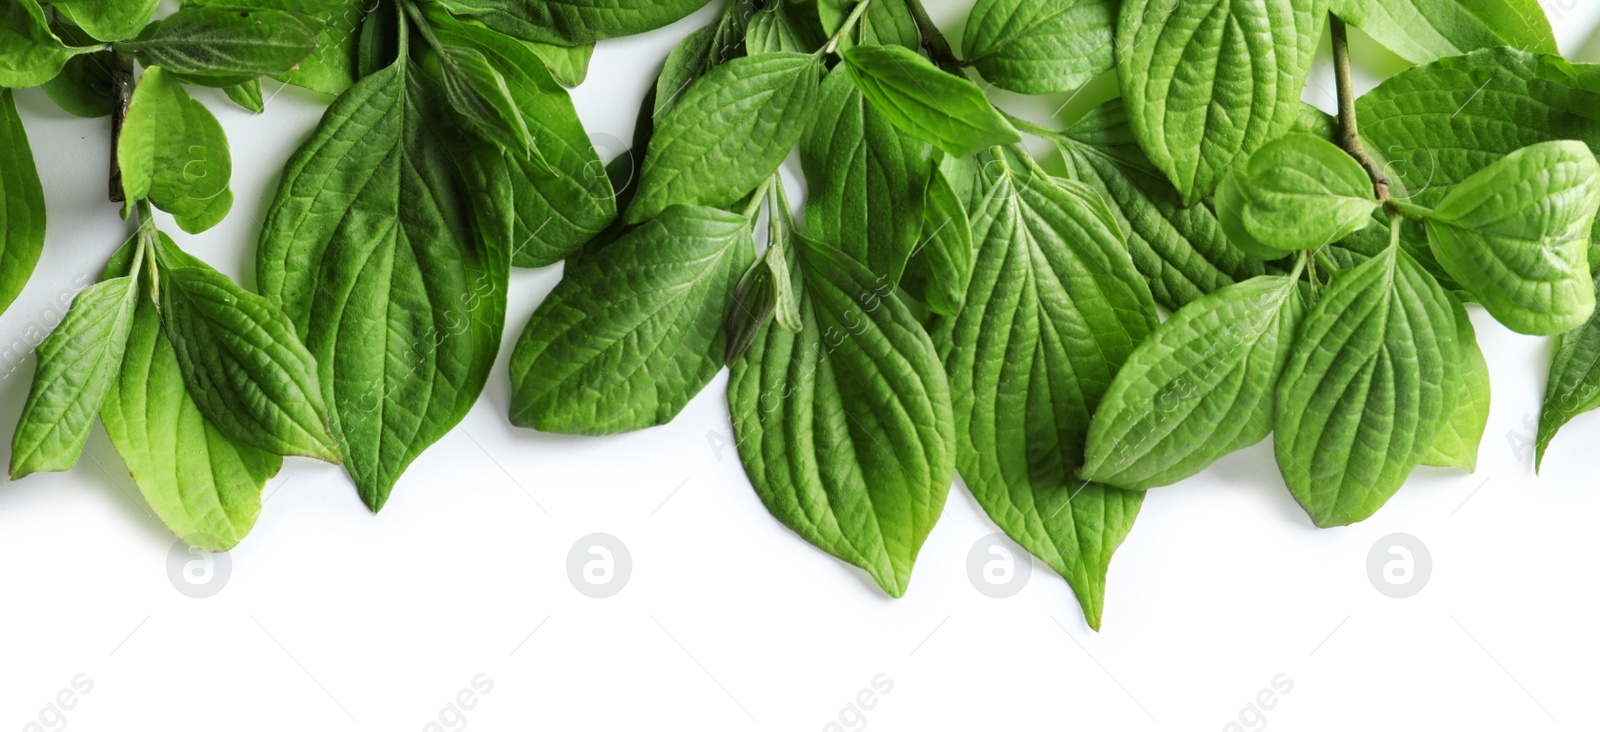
{"points": [[939, 302]]}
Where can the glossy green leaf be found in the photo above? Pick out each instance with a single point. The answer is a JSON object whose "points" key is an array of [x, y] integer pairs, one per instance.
{"points": [[568, 65], [1457, 444], [783, 28], [1299, 192], [247, 95], [175, 153], [22, 209], [572, 22], [331, 68], [205, 486], [554, 212], [84, 85], [218, 46], [1230, 205], [394, 280], [1370, 383], [941, 267], [845, 427], [948, 111], [885, 23], [1181, 251], [1208, 82], [1574, 384], [1516, 236], [1198, 388], [245, 369], [866, 178], [30, 54], [78, 365], [1054, 309], [727, 133], [472, 87], [1426, 30], [699, 52], [108, 20], [635, 331], [1040, 47]]}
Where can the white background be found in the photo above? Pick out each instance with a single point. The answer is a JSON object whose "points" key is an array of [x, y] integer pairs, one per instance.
{"points": [[333, 618]]}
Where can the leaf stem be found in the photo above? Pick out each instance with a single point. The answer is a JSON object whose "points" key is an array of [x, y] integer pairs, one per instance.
{"points": [[1349, 137], [933, 40], [1033, 128], [846, 27], [760, 195], [121, 98]]}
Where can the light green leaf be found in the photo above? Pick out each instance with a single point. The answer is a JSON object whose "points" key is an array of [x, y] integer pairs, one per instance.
{"points": [[84, 85], [1230, 205], [1370, 383], [635, 331], [1516, 236], [108, 20], [948, 111], [1054, 309], [203, 485], [1181, 251], [1457, 444], [766, 291], [554, 214], [78, 365], [866, 179], [244, 367], [1038, 47], [568, 65], [845, 427], [175, 153], [572, 22], [247, 95], [1574, 384], [1427, 30], [886, 23], [331, 68], [1299, 192], [217, 46], [728, 132], [1197, 389], [394, 280], [30, 54], [1208, 82], [22, 209], [941, 267]]}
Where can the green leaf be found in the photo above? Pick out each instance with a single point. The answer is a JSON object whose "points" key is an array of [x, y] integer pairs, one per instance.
{"points": [[247, 95], [22, 209], [1181, 251], [866, 179], [948, 111], [1516, 236], [1197, 389], [1574, 384], [1208, 82], [1437, 125], [1054, 309], [472, 87], [245, 369], [202, 484], [78, 365], [568, 65], [1230, 205], [727, 133], [395, 282], [635, 330], [1364, 394], [1040, 48], [108, 20], [1427, 30], [331, 68], [784, 28], [84, 85], [1457, 444], [572, 22], [886, 23], [553, 214], [175, 153], [941, 267], [845, 427], [699, 52], [1299, 192], [30, 54], [219, 46]]}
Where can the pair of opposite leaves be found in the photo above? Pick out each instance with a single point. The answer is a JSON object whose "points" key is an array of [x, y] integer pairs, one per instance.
{"points": [[1359, 391]]}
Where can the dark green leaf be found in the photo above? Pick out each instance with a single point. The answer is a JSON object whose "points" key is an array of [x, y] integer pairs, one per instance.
{"points": [[572, 22], [331, 68], [783, 27], [84, 85], [948, 111], [220, 46], [941, 267]]}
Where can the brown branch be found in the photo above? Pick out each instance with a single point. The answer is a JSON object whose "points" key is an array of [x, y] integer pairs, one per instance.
{"points": [[1349, 137], [122, 96], [933, 41]]}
